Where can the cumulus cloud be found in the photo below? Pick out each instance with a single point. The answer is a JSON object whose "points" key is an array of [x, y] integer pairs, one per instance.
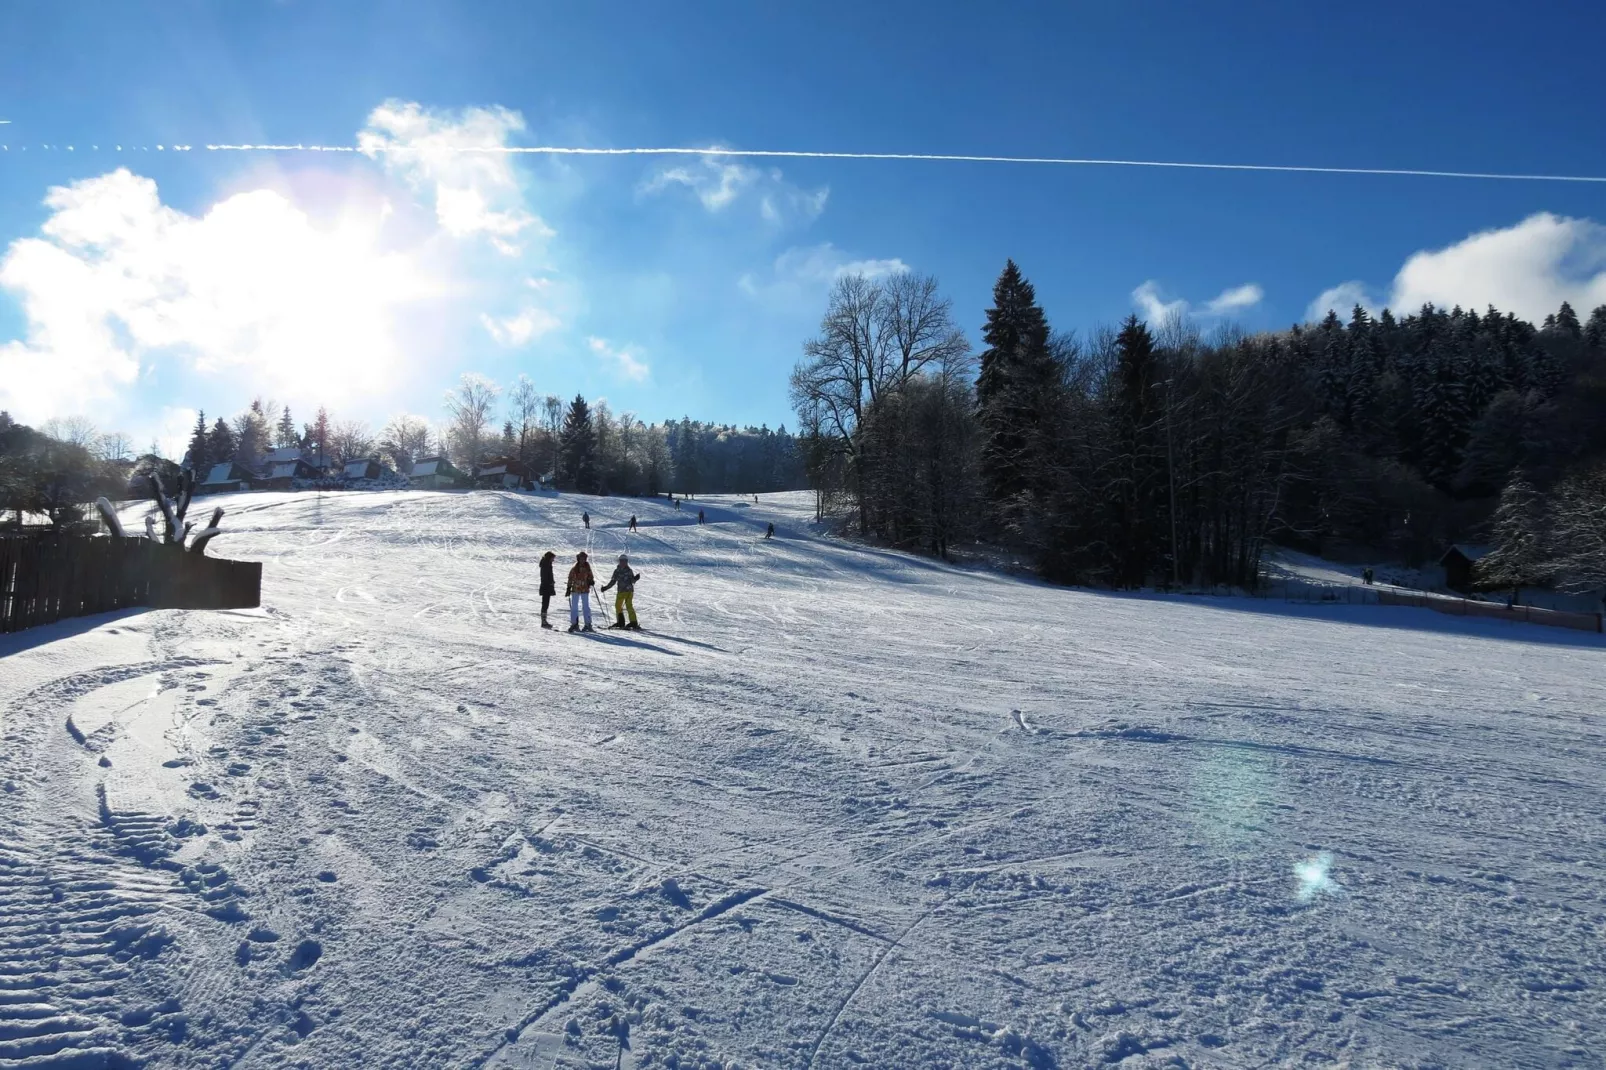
{"points": [[1238, 297], [622, 360], [521, 328], [1146, 299], [1155, 309], [1528, 268], [1341, 299], [474, 193], [253, 287], [820, 265], [719, 183]]}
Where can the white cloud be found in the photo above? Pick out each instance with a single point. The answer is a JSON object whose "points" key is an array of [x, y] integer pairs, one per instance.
{"points": [[521, 328], [1156, 310], [1529, 268], [1238, 297], [625, 360], [1341, 299], [475, 193], [1146, 299], [252, 288], [719, 183], [802, 274]]}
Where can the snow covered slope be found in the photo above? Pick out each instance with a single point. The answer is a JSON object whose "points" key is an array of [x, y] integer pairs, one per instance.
{"points": [[835, 807]]}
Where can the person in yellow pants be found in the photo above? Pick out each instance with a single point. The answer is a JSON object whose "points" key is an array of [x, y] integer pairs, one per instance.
{"points": [[625, 600]]}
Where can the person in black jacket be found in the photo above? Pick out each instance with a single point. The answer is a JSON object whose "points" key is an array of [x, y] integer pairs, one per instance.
{"points": [[549, 586]]}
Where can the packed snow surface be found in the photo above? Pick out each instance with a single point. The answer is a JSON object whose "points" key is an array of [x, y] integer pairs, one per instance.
{"points": [[834, 807]]}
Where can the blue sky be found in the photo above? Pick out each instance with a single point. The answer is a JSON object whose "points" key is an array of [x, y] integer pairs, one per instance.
{"points": [[685, 286]]}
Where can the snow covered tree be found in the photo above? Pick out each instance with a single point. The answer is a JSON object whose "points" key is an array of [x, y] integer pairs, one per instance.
{"points": [[577, 457], [251, 434], [1520, 556], [470, 407], [1578, 530], [351, 440], [404, 440]]}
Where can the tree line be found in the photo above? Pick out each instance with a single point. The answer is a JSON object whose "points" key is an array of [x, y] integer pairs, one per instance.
{"points": [[1151, 455], [575, 445]]}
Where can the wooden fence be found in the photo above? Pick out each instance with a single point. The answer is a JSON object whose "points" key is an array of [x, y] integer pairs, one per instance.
{"points": [[1362, 595], [48, 578]]}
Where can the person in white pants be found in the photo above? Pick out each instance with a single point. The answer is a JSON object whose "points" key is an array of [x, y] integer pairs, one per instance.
{"points": [[579, 590]]}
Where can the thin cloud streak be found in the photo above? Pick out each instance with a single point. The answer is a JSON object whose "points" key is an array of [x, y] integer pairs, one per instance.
{"points": [[929, 157]]}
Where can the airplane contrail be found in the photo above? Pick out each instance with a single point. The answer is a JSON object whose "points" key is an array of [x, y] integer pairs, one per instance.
{"points": [[926, 157]]}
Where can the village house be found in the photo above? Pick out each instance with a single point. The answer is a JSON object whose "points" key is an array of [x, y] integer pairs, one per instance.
{"points": [[502, 472], [366, 469], [226, 476], [434, 472]]}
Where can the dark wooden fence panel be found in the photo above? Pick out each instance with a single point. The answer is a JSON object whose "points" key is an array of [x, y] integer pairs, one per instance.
{"points": [[48, 578]]}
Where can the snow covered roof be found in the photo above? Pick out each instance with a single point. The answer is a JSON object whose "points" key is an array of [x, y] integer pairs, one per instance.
{"points": [[427, 468], [357, 469], [494, 470], [285, 471], [221, 473], [282, 455], [1471, 553]]}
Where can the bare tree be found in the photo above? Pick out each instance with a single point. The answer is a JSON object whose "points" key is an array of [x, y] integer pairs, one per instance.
{"points": [[404, 440], [74, 430], [350, 441], [524, 408], [115, 446], [552, 409], [470, 407], [874, 338]]}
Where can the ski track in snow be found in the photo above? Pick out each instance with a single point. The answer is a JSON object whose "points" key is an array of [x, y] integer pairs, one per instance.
{"points": [[835, 807]]}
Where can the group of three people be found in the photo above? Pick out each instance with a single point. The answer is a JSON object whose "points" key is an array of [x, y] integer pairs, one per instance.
{"points": [[578, 590]]}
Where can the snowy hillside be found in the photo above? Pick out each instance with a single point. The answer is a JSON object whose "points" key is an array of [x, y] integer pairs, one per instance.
{"points": [[834, 807]]}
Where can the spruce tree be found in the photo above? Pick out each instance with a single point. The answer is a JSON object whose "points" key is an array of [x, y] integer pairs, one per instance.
{"points": [[220, 443], [285, 433], [577, 454], [1013, 367], [198, 458], [1139, 446], [1595, 329]]}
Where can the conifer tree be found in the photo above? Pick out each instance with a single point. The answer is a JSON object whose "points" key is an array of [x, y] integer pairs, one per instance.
{"points": [[1013, 367], [220, 442], [577, 456], [198, 457], [284, 434]]}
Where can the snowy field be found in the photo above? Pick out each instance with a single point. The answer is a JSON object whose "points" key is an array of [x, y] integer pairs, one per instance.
{"points": [[835, 807]]}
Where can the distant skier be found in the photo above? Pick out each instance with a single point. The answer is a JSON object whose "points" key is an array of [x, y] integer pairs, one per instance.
{"points": [[625, 601], [701, 519], [632, 521], [1366, 576], [769, 531], [579, 591], [585, 518], [676, 501], [549, 586]]}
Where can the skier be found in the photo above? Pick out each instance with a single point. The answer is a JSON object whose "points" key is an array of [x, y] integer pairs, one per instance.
{"points": [[585, 518], [769, 532], [676, 501], [632, 521], [579, 591], [548, 585], [701, 519], [625, 601]]}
